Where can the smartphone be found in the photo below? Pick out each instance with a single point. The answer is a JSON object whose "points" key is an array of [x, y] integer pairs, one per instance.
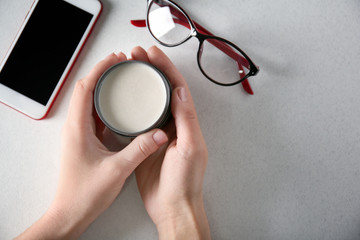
{"points": [[43, 52]]}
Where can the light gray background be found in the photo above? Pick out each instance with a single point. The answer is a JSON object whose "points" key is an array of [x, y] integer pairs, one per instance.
{"points": [[283, 164]]}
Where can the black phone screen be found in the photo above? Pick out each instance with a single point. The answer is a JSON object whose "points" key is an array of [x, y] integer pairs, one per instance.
{"points": [[44, 49]]}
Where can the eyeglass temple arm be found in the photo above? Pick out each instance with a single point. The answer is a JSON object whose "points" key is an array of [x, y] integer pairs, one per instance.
{"points": [[223, 47]]}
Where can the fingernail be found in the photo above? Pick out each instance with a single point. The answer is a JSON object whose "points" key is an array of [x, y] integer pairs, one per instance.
{"points": [[110, 55], [160, 137], [121, 56], [182, 94]]}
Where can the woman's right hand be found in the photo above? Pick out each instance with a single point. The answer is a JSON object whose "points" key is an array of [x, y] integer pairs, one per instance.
{"points": [[170, 181]]}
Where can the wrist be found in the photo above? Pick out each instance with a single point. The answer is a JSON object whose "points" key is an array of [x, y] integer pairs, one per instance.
{"points": [[67, 225], [186, 221], [54, 224]]}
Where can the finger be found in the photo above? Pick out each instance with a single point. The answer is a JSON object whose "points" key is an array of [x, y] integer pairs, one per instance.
{"points": [[187, 125], [170, 129], [138, 53], [163, 63], [182, 106], [99, 126], [139, 149], [81, 104], [93, 76]]}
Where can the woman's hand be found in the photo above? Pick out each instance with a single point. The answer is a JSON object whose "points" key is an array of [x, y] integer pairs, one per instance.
{"points": [[91, 176], [170, 181]]}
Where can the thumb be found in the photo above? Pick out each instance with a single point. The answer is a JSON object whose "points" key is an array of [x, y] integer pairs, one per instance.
{"points": [[139, 149], [183, 110]]}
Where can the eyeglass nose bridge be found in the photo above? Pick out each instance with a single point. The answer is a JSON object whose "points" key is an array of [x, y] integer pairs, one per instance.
{"points": [[194, 32]]}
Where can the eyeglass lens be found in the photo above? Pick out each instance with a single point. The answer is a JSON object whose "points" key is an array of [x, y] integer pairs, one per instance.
{"points": [[221, 62], [218, 60], [166, 28]]}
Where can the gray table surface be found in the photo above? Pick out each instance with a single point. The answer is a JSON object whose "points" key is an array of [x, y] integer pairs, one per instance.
{"points": [[283, 163]]}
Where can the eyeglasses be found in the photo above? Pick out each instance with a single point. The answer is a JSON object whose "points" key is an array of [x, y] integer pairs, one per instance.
{"points": [[221, 61]]}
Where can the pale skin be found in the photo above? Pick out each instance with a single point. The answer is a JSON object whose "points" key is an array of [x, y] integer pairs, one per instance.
{"points": [[169, 164]]}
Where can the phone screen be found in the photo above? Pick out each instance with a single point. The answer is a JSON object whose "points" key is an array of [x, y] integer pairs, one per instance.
{"points": [[44, 49]]}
